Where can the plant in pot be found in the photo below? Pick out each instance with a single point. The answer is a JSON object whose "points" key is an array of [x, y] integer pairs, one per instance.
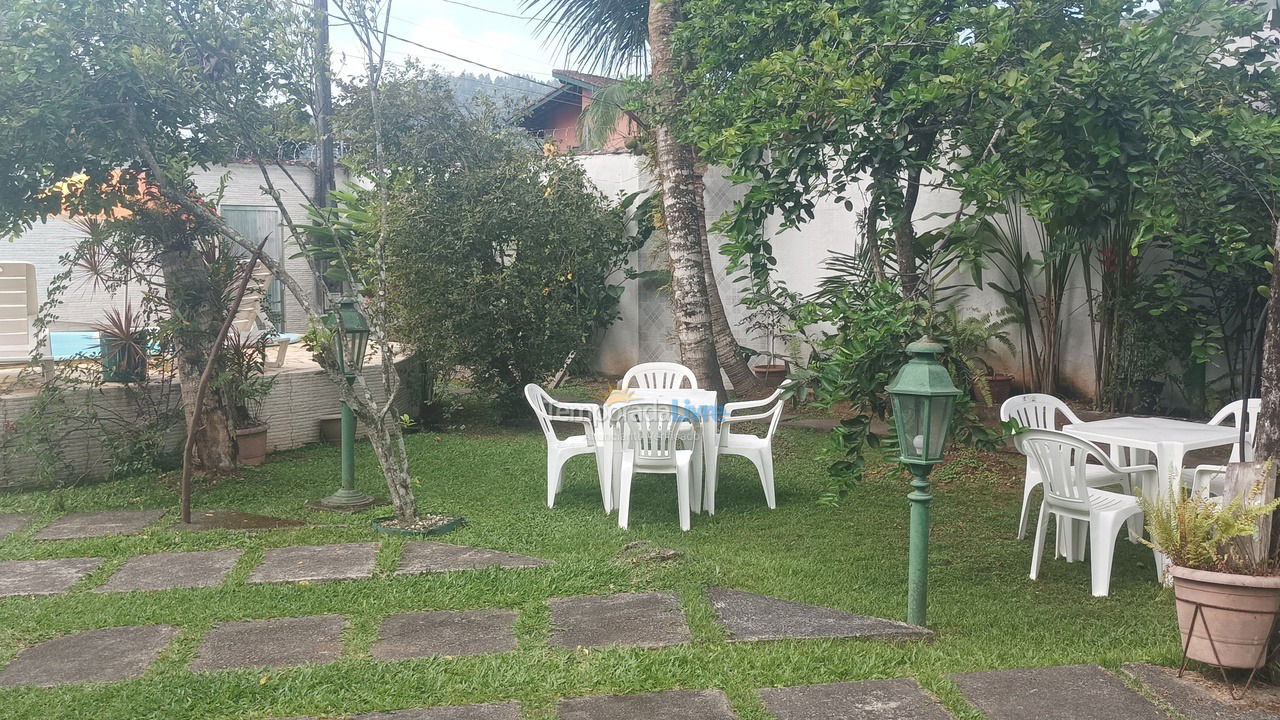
{"points": [[1227, 593], [243, 382], [123, 339], [970, 338], [768, 322]]}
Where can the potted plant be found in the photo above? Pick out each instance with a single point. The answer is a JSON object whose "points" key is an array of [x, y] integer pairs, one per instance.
{"points": [[244, 385], [1223, 591], [122, 337], [970, 338], [768, 322]]}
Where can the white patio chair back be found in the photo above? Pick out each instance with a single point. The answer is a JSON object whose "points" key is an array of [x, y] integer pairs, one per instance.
{"points": [[653, 430], [548, 410], [1036, 411], [1231, 413], [1063, 461], [659, 376]]}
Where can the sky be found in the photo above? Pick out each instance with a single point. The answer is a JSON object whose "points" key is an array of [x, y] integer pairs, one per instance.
{"points": [[507, 43]]}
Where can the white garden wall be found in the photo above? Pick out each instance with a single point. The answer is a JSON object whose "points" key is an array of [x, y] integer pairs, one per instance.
{"points": [[646, 331]]}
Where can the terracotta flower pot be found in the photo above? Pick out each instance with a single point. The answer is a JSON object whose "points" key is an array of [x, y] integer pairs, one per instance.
{"points": [[252, 444], [999, 385], [771, 375], [1236, 611]]}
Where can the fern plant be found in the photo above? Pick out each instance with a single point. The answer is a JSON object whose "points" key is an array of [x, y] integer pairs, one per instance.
{"points": [[1206, 533]]}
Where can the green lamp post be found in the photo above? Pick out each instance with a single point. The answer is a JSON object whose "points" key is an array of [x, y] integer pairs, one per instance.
{"points": [[923, 397], [350, 337]]}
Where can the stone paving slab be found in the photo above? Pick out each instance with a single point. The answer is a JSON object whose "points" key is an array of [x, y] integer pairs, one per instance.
{"points": [[1191, 699], [747, 616], [670, 705], [446, 632], [639, 620], [103, 655], [98, 524], [898, 699], [10, 523], [487, 711], [1079, 692], [424, 556], [277, 642], [315, 563], [164, 571], [44, 577]]}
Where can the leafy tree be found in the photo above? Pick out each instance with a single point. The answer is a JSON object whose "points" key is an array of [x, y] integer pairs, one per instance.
{"points": [[150, 89], [502, 259], [611, 35]]}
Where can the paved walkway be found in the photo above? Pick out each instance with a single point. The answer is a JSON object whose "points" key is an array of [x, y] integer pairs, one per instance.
{"points": [[1077, 692], [305, 563], [647, 620]]}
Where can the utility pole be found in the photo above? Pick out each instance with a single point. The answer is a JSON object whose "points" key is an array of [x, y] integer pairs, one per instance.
{"points": [[325, 181]]}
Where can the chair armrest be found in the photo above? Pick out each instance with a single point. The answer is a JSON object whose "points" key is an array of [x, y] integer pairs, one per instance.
{"points": [[1135, 469], [730, 408], [744, 418], [588, 424]]}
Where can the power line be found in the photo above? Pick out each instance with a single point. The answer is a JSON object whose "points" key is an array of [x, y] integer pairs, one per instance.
{"points": [[548, 21]]}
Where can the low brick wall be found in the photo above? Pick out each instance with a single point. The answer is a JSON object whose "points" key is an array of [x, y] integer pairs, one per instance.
{"points": [[302, 394]]}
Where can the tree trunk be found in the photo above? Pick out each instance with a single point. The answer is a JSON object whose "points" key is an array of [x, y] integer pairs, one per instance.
{"points": [[1266, 427], [191, 294], [904, 237], [728, 354], [680, 206], [384, 434]]}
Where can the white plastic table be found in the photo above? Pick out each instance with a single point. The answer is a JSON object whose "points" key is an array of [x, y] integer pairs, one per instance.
{"points": [[704, 405], [1169, 440]]}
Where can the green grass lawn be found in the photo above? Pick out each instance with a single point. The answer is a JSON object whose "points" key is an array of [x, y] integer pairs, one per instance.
{"points": [[986, 612]]}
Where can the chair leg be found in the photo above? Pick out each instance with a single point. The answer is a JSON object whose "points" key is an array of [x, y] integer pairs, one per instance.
{"points": [[1102, 533], [684, 487], [624, 491], [1029, 485], [764, 465], [606, 482], [1037, 551], [554, 468], [709, 482]]}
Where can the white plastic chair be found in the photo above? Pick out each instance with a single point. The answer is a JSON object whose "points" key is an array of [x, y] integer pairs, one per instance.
{"points": [[653, 444], [1040, 412], [1210, 480], [1063, 462], [659, 376], [757, 449], [549, 411]]}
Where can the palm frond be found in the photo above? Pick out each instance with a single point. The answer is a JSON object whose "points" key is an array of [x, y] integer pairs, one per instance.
{"points": [[606, 36], [608, 105]]}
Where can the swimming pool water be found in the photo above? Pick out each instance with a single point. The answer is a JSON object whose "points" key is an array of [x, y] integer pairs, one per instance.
{"points": [[66, 345]]}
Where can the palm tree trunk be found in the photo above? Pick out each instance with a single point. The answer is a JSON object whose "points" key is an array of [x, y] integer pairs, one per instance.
{"points": [[681, 205], [744, 381]]}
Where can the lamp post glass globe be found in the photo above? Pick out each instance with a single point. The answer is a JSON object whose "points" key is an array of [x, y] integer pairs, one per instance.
{"points": [[350, 338], [923, 398]]}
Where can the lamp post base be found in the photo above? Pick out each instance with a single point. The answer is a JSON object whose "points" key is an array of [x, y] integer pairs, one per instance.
{"points": [[345, 501]]}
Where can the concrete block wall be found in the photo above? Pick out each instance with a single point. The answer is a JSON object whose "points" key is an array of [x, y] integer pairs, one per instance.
{"points": [[300, 397]]}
